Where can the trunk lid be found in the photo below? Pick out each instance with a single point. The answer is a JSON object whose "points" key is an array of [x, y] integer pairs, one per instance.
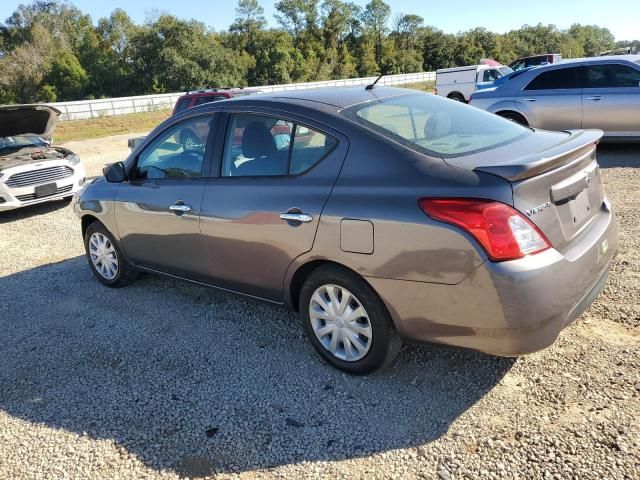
{"points": [[555, 179], [16, 120]]}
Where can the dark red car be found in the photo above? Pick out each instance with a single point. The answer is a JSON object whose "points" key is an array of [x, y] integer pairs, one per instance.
{"points": [[208, 95]]}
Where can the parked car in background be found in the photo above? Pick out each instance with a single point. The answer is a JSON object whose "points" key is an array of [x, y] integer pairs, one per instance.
{"points": [[460, 82], [387, 215], [208, 95], [535, 60], [501, 80], [200, 97], [598, 92], [31, 169]]}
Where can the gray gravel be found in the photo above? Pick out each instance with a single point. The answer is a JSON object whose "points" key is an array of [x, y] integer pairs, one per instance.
{"points": [[164, 379]]}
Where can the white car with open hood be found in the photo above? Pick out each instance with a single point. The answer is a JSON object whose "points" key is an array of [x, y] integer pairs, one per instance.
{"points": [[31, 169]]}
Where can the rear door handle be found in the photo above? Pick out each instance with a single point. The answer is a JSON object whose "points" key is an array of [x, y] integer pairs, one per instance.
{"points": [[296, 217], [179, 208], [529, 99], [595, 98]]}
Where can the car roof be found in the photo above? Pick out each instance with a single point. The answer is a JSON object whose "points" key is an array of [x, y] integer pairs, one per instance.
{"points": [[534, 56], [338, 97], [604, 59], [214, 91]]}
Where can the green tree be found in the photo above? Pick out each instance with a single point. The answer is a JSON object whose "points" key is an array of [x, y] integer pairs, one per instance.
{"points": [[375, 17], [23, 68], [592, 39], [66, 78], [407, 43]]}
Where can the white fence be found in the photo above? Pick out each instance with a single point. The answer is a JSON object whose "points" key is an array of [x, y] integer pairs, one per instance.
{"points": [[146, 103]]}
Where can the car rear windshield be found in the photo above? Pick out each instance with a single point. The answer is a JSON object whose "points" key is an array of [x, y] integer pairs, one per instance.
{"points": [[436, 126]]}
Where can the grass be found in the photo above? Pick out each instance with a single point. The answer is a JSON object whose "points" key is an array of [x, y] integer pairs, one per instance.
{"points": [[423, 86], [106, 126]]}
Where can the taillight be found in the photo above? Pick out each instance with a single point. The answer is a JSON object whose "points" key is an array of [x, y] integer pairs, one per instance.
{"points": [[503, 232]]}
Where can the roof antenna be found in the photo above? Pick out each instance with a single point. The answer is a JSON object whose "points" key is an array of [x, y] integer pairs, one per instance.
{"points": [[383, 71]]}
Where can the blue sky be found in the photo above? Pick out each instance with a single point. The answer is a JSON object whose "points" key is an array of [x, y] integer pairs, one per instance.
{"points": [[620, 16]]}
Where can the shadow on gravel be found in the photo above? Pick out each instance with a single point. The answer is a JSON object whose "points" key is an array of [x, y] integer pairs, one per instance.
{"points": [[33, 210], [619, 155], [197, 381]]}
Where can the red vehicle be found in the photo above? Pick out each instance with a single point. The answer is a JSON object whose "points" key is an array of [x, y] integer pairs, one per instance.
{"points": [[535, 60], [208, 95]]}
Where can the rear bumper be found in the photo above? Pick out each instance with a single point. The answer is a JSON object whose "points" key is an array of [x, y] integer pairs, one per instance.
{"points": [[507, 308]]}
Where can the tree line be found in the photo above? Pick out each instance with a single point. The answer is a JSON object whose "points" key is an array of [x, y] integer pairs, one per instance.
{"points": [[51, 51]]}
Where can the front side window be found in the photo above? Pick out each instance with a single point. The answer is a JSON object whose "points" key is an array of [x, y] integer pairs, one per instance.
{"points": [[435, 125], [612, 76], [491, 76], [177, 153], [261, 146], [559, 79]]}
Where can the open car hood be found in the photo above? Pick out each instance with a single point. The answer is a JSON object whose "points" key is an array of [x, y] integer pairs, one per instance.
{"points": [[18, 120]]}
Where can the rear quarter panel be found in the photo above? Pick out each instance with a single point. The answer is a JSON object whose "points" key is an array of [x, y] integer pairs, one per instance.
{"points": [[381, 182]]}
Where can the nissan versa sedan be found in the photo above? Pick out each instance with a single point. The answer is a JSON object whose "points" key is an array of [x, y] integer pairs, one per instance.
{"points": [[380, 215], [601, 92], [31, 169]]}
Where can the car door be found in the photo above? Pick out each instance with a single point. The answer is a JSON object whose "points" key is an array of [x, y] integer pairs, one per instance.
{"points": [[553, 99], [262, 211], [158, 208], [611, 99]]}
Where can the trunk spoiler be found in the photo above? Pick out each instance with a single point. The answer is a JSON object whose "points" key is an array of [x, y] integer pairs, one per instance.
{"points": [[578, 144]]}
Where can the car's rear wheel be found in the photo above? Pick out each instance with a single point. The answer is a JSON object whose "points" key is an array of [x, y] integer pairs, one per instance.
{"points": [[458, 97], [105, 259], [346, 321], [514, 117]]}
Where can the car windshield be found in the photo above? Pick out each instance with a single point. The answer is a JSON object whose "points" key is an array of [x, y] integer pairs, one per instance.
{"points": [[21, 141], [436, 126], [505, 70]]}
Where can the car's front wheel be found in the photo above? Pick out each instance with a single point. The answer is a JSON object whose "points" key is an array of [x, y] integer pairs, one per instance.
{"points": [[346, 321], [105, 259]]}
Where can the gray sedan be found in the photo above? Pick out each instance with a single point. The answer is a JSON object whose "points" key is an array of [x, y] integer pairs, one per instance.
{"points": [[602, 93], [380, 215]]}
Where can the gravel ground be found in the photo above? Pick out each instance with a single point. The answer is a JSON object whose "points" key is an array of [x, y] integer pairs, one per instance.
{"points": [[164, 379]]}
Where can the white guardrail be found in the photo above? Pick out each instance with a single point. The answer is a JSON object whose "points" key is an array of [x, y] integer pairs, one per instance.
{"points": [[108, 107]]}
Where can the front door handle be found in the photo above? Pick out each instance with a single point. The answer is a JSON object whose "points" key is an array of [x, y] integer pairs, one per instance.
{"points": [[296, 217], [179, 208], [595, 98], [529, 99]]}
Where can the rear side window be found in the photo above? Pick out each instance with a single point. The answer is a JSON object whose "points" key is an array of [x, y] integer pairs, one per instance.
{"points": [[559, 79], [309, 147], [182, 104], [612, 76], [262, 146], [435, 125]]}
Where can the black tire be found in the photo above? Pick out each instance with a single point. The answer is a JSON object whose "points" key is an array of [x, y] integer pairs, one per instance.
{"points": [[515, 117], [126, 274], [385, 342], [458, 97]]}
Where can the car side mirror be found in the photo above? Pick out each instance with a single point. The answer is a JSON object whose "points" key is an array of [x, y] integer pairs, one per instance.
{"points": [[115, 173]]}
